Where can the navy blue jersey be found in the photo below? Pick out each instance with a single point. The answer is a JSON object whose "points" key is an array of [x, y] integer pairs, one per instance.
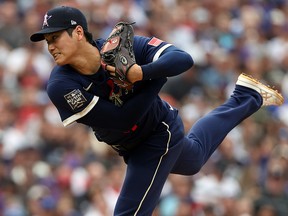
{"points": [[138, 117], [96, 101]]}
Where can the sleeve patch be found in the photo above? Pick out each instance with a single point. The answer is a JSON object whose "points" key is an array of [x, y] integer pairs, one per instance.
{"points": [[155, 42], [75, 99]]}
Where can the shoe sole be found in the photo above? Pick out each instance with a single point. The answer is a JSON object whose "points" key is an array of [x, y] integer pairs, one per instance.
{"points": [[265, 91]]}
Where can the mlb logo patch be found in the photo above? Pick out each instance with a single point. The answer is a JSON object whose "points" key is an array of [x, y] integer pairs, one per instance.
{"points": [[155, 42], [75, 99]]}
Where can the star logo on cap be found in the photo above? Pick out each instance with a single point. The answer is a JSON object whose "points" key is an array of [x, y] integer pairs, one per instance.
{"points": [[46, 18]]}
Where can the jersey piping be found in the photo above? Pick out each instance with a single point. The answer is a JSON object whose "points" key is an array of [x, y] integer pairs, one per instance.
{"points": [[84, 112], [157, 168], [158, 53]]}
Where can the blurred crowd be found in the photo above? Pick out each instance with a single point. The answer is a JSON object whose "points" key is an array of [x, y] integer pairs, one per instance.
{"points": [[49, 170]]}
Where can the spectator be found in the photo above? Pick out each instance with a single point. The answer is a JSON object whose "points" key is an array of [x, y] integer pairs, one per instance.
{"points": [[40, 160], [273, 197]]}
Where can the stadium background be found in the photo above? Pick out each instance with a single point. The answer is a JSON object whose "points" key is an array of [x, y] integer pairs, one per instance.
{"points": [[49, 170]]}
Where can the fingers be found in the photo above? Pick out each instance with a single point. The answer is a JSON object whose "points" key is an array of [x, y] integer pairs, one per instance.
{"points": [[110, 69], [107, 67]]}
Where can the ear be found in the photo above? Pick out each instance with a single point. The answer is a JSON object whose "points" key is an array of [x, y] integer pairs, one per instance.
{"points": [[79, 31]]}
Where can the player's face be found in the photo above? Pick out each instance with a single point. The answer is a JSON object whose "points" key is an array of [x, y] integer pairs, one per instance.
{"points": [[62, 47]]}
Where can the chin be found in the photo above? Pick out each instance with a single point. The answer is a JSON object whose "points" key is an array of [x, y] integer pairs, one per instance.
{"points": [[59, 63]]}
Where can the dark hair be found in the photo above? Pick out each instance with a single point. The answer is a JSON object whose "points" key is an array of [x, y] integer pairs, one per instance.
{"points": [[69, 31], [88, 35]]}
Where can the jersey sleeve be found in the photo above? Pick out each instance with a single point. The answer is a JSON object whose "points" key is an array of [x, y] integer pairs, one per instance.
{"points": [[148, 49], [158, 58], [71, 100]]}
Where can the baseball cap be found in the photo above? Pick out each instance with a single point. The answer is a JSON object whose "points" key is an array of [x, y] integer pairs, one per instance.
{"points": [[60, 18]]}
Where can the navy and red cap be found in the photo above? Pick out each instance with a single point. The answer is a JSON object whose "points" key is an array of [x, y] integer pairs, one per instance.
{"points": [[58, 19]]}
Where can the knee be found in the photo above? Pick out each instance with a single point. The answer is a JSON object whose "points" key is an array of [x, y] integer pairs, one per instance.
{"points": [[196, 168]]}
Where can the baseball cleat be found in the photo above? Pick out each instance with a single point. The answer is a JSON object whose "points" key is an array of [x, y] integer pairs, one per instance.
{"points": [[270, 96]]}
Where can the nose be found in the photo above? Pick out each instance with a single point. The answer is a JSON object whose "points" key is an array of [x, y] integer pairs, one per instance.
{"points": [[51, 47]]}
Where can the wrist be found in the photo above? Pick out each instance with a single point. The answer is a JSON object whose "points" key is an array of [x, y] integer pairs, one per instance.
{"points": [[135, 73]]}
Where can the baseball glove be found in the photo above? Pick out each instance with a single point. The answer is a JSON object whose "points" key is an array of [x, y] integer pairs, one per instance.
{"points": [[117, 51]]}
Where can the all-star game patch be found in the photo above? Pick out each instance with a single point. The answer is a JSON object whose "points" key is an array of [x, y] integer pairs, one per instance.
{"points": [[75, 99]]}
